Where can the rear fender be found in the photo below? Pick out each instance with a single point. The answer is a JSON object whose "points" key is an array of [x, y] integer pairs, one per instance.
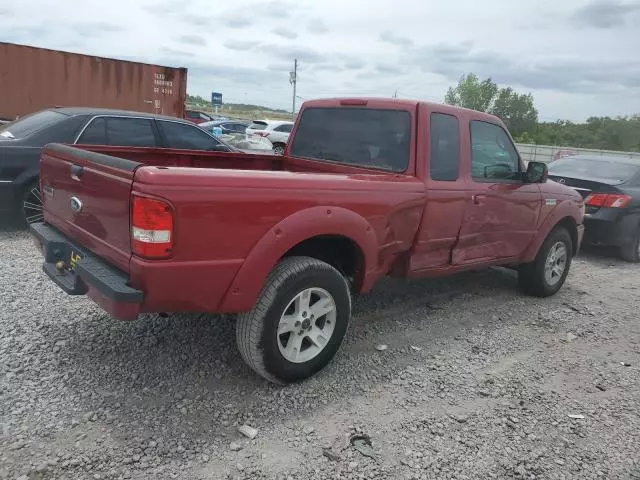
{"points": [[567, 209], [282, 237]]}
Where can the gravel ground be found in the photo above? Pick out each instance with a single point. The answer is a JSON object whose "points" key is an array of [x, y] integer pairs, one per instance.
{"points": [[477, 382]]}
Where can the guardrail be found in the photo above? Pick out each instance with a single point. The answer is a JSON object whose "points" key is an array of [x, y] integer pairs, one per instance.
{"points": [[547, 153]]}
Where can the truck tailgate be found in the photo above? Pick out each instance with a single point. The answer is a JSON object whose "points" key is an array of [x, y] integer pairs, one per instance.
{"points": [[86, 196]]}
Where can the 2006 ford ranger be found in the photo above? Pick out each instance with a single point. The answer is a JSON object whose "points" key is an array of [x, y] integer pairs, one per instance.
{"points": [[366, 188]]}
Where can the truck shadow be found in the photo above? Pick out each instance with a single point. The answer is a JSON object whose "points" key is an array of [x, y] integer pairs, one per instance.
{"points": [[10, 224], [156, 363]]}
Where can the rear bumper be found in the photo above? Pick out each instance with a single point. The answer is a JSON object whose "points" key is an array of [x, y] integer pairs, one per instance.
{"points": [[103, 283], [610, 230]]}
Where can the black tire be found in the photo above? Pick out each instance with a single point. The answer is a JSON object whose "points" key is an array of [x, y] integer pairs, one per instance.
{"points": [[531, 276], [278, 148], [631, 252], [30, 206], [256, 331]]}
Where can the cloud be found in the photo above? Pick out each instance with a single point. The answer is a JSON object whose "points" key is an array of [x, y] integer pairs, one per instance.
{"points": [[605, 14], [96, 29], [174, 53], [191, 39], [571, 74], [394, 39], [288, 53], [284, 33], [317, 26], [388, 68], [354, 64], [199, 20], [167, 7], [241, 45], [235, 21], [274, 9]]}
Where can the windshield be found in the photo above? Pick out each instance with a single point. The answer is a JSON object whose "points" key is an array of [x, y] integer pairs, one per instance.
{"points": [[602, 169], [31, 124], [373, 138]]}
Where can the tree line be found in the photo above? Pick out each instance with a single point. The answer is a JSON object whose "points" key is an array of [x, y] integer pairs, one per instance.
{"points": [[518, 112]]}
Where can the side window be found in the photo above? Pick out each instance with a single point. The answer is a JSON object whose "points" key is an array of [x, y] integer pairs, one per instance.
{"points": [[286, 128], [193, 115], [444, 159], [493, 156], [181, 135], [95, 133], [130, 132]]}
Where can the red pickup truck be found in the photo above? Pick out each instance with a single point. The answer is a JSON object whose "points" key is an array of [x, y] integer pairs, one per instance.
{"points": [[366, 188]]}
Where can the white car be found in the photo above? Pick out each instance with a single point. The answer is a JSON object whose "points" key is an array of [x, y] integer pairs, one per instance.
{"points": [[276, 131]]}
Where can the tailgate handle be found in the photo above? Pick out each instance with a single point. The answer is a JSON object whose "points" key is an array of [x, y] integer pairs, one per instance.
{"points": [[76, 171]]}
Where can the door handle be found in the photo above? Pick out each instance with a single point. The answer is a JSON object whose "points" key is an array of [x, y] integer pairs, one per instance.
{"points": [[76, 171], [476, 199]]}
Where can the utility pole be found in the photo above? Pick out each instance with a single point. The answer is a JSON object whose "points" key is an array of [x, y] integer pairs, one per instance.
{"points": [[395, 94], [293, 79]]}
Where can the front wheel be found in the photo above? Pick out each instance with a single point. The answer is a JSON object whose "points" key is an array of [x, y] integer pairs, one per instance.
{"points": [[547, 273], [298, 322]]}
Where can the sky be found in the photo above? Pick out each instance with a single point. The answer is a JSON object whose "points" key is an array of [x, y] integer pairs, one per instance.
{"points": [[578, 58]]}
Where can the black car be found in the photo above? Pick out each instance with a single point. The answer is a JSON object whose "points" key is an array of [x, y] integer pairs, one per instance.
{"points": [[21, 142], [611, 189]]}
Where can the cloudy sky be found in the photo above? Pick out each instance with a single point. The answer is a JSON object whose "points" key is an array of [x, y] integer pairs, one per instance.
{"points": [[578, 57]]}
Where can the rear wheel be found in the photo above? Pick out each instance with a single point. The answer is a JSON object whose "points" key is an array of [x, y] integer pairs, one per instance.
{"points": [[547, 273], [278, 149], [631, 252], [298, 322], [31, 204]]}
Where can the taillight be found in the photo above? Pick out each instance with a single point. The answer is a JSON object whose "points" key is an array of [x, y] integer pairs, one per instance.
{"points": [[262, 134], [607, 200], [151, 227]]}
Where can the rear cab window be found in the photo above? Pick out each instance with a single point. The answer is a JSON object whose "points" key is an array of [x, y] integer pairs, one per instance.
{"points": [[365, 137], [31, 124], [444, 155]]}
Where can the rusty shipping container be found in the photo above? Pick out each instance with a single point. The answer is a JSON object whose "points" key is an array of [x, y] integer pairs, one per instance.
{"points": [[33, 79]]}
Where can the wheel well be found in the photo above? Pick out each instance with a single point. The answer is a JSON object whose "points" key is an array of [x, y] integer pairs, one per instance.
{"points": [[340, 252], [570, 224]]}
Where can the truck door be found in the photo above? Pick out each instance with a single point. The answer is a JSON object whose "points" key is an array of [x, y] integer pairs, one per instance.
{"points": [[439, 155], [501, 217]]}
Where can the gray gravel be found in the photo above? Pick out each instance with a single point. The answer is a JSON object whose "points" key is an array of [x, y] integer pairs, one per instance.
{"points": [[477, 382]]}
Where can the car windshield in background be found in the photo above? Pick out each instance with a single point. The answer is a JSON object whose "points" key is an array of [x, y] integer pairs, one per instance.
{"points": [[372, 138], [31, 124], [601, 169], [258, 126]]}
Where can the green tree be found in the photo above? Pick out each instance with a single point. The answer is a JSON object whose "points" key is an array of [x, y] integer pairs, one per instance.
{"points": [[472, 93], [516, 110]]}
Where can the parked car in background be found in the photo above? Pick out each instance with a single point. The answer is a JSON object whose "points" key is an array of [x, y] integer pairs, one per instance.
{"points": [[387, 188], [197, 116], [227, 126], [611, 189], [275, 130], [21, 142]]}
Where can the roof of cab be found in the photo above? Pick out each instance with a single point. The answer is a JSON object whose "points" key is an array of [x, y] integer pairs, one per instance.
{"points": [[403, 104]]}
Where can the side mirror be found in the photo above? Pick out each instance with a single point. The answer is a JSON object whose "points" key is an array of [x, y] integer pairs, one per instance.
{"points": [[537, 172]]}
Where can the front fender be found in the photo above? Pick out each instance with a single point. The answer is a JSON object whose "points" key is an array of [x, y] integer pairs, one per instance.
{"points": [[289, 232], [569, 208]]}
